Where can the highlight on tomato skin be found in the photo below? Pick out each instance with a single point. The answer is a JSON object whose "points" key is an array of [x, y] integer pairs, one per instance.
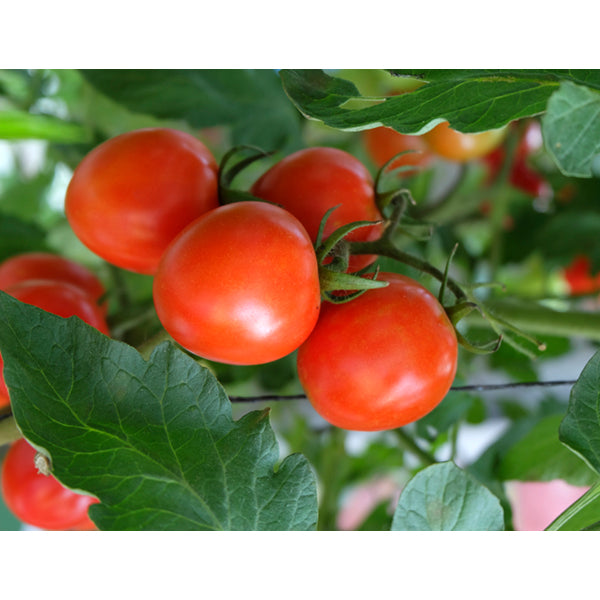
{"points": [[132, 194], [41, 500], [454, 145], [59, 298], [380, 361], [313, 180], [254, 296]]}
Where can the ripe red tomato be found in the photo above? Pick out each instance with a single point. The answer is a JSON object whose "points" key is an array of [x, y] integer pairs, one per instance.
{"points": [[382, 143], [240, 284], [380, 361], [130, 196], [579, 277], [60, 298], [41, 500], [43, 265], [462, 147], [311, 181]]}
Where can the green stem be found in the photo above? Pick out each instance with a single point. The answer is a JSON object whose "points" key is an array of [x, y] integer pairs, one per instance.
{"points": [[409, 444], [537, 319], [383, 247]]}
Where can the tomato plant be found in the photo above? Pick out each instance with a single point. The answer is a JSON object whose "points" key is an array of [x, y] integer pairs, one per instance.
{"points": [[38, 499], [131, 195], [311, 181], [424, 363], [400, 371], [239, 285]]}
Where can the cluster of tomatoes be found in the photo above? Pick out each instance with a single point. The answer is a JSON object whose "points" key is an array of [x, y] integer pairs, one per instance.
{"points": [[241, 282]]}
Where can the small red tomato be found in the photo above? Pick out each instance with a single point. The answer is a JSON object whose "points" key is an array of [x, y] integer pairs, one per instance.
{"points": [[62, 299], [579, 277], [462, 147], [309, 182], [240, 284], [131, 195], [41, 500], [43, 265], [382, 360], [383, 143]]}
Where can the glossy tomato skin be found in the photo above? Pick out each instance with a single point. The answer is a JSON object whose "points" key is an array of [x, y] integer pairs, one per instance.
{"points": [[380, 361], [62, 299], [462, 147], [383, 143], [309, 182], [41, 500], [44, 265], [239, 285], [131, 195]]}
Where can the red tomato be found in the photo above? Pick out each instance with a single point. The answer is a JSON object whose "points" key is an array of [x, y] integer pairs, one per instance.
{"points": [[62, 299], [311, 181], [43, 265], [41, 500], [382, 143], [462, 147], [380, 361], [130, 196], [240, 284], [579, 277]]}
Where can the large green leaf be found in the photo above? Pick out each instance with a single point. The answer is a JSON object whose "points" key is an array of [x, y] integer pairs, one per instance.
{"points": [[540, 456], [571, 128], [470, 100], [580, 429], [153, 440], [250, 101], [443, 497]]}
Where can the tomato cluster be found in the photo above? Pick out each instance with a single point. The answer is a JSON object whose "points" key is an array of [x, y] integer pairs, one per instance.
{"points": [[65, 288]]}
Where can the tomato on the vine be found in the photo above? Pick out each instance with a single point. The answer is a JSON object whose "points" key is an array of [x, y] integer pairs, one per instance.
{"points": [[462, 147], [60, 298], [44, 265], [382, 360], [240, 284], [309, 182], [41, 500], [131, 195], [383, 143]]}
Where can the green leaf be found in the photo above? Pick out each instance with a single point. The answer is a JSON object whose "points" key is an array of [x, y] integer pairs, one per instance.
{"points": [[580, 429], [584, 513], [571, 128], [539, 456], [454, 407], [443, 497], [21, 125], [153, 440], [250, 101], [470, 100]]}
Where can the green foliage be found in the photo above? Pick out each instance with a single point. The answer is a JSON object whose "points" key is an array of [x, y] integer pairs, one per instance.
{"points": [[443, 497], [153, 440]]}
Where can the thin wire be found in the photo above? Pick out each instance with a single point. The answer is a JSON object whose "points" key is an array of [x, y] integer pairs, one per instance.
{"points": [[459, 388]]}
